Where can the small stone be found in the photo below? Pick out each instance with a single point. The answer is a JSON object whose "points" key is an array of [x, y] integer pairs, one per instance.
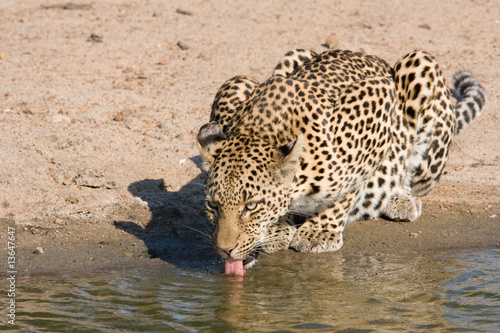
{"points": [[164, 61], [425, 26], [183, 46], [118, 117], [332, 42], [69, 6], [95, 37], [184, 12], [76, 6], [3, 55], [38, 250]]}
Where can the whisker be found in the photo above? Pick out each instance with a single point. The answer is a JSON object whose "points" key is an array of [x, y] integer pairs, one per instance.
{"points": [[204, 235], [269, 240], [199, 184], [297, 213], [205, 246]]}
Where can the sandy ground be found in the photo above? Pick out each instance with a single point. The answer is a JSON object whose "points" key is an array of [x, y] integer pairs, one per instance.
{"points": [[100, 102]]}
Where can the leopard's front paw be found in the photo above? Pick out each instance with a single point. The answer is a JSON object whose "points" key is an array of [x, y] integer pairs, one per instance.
{"points": [[403, 207], [314, 239], [278, 238]]}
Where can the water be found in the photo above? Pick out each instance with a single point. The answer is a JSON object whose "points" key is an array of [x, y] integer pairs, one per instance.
{"points": [[289, 292]]}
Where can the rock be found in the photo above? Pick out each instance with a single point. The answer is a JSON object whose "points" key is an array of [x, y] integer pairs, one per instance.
{"points": [[95, 37], [164, 61], [38, 250], [183, 46], [69, 6], [118, 117], [332, 42], [425, 26], [184, 12]]}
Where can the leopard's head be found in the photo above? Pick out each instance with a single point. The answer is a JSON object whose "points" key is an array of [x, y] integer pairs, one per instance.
{"points": [[247, 190]]}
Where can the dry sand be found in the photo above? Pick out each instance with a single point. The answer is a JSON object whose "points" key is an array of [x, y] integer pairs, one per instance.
{"points": [[100, 102]]}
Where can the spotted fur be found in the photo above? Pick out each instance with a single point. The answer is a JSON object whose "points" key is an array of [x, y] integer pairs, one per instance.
{"points": [[333, 138]]}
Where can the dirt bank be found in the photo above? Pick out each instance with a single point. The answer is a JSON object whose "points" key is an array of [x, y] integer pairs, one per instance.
{"points": [[100, 103]]}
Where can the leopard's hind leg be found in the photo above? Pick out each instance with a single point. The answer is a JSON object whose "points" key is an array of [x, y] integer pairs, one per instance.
{"points": [[423, 127], [428, 119]]}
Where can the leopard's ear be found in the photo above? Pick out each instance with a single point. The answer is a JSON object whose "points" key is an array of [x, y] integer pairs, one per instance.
{"points": [[210, 140], [288, 160]]}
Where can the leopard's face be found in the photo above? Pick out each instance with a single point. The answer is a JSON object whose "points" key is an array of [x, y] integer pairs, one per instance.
{"points": [[247, 190], [243, 198]]}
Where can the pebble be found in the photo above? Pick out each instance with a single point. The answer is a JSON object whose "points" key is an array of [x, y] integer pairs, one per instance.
{"points": [[39, 250], [95, 37], [76, 6], [69, 6], [118, 116], [164, 61], [332, 42], [184, 12], [183, 46]]}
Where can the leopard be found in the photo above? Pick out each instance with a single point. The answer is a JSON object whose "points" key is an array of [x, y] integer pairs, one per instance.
{"points": [[328, 139]]}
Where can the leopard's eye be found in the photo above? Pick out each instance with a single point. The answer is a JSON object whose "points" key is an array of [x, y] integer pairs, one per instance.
{"points": [[251, 206], [212, 204]]}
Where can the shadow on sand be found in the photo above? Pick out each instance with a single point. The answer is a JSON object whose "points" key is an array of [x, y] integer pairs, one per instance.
{"points": [[178, 231]]}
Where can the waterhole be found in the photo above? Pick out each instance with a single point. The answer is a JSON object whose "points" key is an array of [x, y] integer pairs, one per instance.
{"points": [[288, 292]]}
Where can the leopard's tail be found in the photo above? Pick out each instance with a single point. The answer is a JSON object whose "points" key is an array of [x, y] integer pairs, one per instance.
{"points": [[470, 97]]}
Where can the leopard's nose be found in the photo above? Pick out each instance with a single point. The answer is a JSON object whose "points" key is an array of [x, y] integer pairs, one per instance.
{"points": [[226, 250]]}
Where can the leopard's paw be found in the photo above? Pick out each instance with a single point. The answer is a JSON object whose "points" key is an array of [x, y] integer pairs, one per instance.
{"points": [[403, 207], [315, 239]]}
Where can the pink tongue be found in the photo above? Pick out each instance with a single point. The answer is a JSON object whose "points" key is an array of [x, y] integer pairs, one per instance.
{"points": [[234, 266]]}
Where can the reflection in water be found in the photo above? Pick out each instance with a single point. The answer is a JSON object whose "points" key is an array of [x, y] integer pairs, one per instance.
{"points": [[355, 292], [289, 292]]}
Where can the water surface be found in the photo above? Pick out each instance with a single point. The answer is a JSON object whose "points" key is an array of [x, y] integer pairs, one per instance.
{"points": [[288, 292]]}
